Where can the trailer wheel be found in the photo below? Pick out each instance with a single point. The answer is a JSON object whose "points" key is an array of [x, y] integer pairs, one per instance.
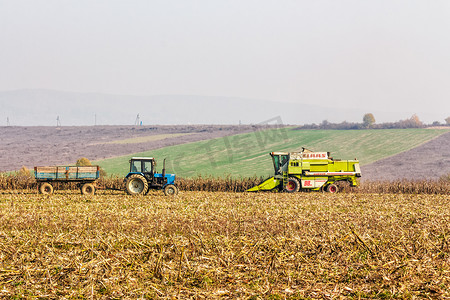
{"points": [[46, 188], [292, 185], [88, 189], [332, 188], [136, 185], [170, 190]]}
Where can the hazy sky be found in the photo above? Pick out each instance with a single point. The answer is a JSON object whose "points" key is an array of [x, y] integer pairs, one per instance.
{"points": [[380, 55]]}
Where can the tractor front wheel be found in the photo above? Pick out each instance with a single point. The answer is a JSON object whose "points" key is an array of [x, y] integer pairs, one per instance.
{"points": [[292, 185], [170, 190], [136, 185]]}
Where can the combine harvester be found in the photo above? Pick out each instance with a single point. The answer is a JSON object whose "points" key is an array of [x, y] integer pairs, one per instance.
{"points": [[308, 170]]}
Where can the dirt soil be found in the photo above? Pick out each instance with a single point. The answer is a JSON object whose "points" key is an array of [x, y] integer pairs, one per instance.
{"points": [[38, 146], [428, 161]]}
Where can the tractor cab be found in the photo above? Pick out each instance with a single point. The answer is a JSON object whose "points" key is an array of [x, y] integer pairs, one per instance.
{"points": [[144, 165]]}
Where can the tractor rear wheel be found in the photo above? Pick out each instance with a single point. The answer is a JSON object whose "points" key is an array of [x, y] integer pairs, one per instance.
{"points": [[170, 190], [332, 188], [136, 185], [88, 189], [46, 188], [292, 185]]}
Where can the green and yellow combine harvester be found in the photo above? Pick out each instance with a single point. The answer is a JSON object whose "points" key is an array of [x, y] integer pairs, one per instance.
{"points": [[308, 170]]}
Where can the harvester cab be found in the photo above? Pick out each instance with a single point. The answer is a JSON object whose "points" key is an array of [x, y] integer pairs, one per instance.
{"points": [[280, 160], [143, 177], [309, 170]]}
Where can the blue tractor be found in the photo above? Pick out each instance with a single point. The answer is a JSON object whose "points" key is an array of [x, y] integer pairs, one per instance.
{"points": [[143, 177]]}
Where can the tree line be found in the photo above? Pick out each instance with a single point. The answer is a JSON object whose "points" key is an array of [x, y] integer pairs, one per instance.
{"points": [[368, 122]]}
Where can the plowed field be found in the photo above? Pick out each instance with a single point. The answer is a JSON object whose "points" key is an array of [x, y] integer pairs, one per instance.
{"points": [[428, 161], [32, 146]]}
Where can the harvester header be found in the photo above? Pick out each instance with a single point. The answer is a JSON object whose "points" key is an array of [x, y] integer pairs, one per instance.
{"points": [[309, 170]]}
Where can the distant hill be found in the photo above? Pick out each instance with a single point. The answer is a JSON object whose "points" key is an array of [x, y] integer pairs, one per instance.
{"points": [[248, 154], [41, 107]]}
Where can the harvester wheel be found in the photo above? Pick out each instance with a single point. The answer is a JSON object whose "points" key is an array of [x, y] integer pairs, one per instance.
{"points": [[136, 185], [332, 188], [170, 190], [46, 188], [323, 189], [88, 189], [292, 185]]}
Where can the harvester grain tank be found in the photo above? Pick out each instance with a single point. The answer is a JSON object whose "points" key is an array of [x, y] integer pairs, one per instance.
{"points": [[308, 170]]}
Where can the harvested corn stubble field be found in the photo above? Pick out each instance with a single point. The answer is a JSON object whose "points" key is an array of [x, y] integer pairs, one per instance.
{"points": [[233, 245]]}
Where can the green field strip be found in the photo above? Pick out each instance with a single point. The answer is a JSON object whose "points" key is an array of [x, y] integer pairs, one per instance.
{"points": [[247, 154]]}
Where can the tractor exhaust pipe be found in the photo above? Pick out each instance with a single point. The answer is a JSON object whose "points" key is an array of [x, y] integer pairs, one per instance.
{"points": [[164, 169]]}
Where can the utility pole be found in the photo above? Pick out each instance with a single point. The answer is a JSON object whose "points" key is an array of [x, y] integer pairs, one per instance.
{"points": [[137, 120]]}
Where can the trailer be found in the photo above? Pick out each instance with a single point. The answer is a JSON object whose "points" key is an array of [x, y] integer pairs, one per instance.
{"points": [[84, 176]]}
